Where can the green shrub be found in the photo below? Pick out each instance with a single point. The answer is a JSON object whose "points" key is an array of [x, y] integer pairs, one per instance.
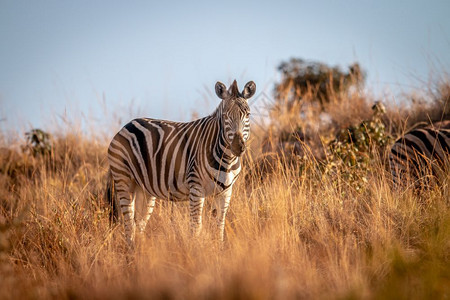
{"points": [[355, 147]]}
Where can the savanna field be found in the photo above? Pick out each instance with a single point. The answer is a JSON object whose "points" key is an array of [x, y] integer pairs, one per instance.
{"points": [[314, 214]]}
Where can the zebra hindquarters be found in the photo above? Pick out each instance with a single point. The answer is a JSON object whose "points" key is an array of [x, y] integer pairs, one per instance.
{"points": [[125, 190], [135, 205], [144, 205]]}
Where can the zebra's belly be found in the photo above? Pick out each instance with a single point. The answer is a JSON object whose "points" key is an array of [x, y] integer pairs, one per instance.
{"points": [[215, 184], [178, 192]]}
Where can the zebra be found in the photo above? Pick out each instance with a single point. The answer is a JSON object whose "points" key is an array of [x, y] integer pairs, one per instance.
{"points": [[420, 155], [153, 159]]}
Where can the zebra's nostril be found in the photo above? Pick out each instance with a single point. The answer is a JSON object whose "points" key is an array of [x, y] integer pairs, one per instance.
{"points": [[238, 143]]}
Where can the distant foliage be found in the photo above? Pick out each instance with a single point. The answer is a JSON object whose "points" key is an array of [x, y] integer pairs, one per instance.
{"points": [[38, 142], [315, 79]]}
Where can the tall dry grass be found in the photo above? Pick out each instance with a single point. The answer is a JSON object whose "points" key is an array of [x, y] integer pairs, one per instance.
{"points": [[296, 233]]}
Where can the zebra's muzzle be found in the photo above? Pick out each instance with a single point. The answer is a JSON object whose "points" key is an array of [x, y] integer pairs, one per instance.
{"points": [[238, 145]]}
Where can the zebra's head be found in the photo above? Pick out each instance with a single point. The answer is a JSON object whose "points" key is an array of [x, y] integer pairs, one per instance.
{"points": [[235, 114]]}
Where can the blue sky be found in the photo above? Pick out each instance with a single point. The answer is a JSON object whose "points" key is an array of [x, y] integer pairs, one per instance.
{"points": [[108, 61]]}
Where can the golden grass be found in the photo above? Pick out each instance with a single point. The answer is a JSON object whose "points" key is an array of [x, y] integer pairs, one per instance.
{"points": [[292, 231], [288, 236]]}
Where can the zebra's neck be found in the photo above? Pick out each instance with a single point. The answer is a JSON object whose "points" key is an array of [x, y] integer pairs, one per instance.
{"points": [[220, 150]]}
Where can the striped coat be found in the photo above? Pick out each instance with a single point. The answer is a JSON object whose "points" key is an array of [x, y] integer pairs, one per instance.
{"points": [[159, 159], [420, 155]]}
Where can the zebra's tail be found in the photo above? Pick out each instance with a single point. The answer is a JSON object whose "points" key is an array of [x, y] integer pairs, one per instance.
{"points": [[111, 199]]}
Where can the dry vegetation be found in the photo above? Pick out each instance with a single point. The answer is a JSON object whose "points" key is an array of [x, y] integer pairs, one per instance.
{"points": [[299, 232]]}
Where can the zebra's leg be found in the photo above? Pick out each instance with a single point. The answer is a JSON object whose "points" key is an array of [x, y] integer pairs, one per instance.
{"points": [[126, 194], [147, 204], [222, 203], [196, 201]]}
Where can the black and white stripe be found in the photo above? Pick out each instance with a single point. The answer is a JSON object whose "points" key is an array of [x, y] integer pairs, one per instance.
{"points": [[421, 154], [157, 159]]}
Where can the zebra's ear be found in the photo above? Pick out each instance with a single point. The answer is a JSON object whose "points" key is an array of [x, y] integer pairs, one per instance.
{"points": [[221, 90], [249, 90]]}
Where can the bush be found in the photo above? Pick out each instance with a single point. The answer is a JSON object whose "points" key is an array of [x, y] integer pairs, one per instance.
{"points": [[356, 147], [38, 142]]}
